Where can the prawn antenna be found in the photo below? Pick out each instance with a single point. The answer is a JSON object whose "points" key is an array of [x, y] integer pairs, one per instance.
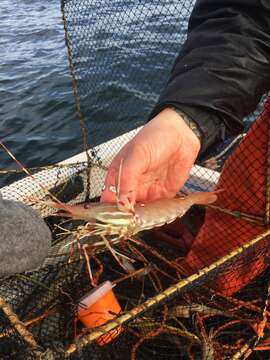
{"points": [[31, 175], [128, 206]]}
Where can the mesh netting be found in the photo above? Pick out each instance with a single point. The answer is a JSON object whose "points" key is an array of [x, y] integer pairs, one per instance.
{"points": [[198, 293], [121, 54]]}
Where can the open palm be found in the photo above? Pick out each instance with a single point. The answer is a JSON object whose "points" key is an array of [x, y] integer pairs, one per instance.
{"points": [[156, 162]]}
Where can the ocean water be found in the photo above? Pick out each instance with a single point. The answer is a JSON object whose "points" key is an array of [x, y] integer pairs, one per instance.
{"points": [[36, 104], [123, 53]]}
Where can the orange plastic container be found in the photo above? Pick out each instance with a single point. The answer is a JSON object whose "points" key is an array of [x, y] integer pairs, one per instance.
{"points": [[98, 307]]}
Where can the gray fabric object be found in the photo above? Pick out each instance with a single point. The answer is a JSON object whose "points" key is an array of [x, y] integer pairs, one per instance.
{"points": [[25, 239]]}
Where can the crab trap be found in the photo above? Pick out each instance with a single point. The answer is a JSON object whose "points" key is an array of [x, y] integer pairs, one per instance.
{"points": [[204, 296]]}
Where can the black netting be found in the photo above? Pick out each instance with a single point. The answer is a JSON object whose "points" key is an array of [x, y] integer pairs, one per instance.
{"points": [[195, 317], [120, 55]]}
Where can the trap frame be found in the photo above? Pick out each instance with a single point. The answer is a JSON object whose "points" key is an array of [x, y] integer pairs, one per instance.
{"points": [[201, 304]]}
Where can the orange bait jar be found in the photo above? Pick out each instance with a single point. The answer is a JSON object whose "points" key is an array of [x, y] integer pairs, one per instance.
{"points": [[98, 307]]}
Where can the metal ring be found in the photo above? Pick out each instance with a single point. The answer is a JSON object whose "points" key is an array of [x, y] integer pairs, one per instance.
{"points": [[111, 188]]}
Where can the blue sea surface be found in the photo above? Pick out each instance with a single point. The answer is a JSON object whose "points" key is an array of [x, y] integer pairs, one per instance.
{"points": [[123, 52], [37, 118]]}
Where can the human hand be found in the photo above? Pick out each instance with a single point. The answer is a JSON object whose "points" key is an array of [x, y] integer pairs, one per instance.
{"points": [[155, 163]]}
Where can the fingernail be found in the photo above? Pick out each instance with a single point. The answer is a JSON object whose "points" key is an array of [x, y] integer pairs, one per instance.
{"points": [[125, 203]]}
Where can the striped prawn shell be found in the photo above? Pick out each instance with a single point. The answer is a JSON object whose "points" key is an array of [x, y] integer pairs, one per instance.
{"points": [[159, 212], [147, 216]]}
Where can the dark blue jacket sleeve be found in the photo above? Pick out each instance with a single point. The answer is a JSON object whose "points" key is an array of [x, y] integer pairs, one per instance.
{"points": [[223, 68]]}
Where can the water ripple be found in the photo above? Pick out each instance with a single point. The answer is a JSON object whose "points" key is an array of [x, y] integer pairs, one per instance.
{"points": [[121, 64]]}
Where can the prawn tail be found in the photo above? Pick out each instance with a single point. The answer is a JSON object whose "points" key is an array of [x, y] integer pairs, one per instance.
{"points": [[204, 198]]}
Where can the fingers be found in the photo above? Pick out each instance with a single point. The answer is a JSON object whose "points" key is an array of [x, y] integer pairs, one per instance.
{"points": [[120, 186], [124, 176], [108, 195]]}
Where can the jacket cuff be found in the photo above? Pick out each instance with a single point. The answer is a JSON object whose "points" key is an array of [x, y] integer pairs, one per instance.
{"points": [[210, 126]]}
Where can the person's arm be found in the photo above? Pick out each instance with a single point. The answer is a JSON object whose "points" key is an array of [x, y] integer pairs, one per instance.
{"points": [[223, 68], [219, 76]]}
